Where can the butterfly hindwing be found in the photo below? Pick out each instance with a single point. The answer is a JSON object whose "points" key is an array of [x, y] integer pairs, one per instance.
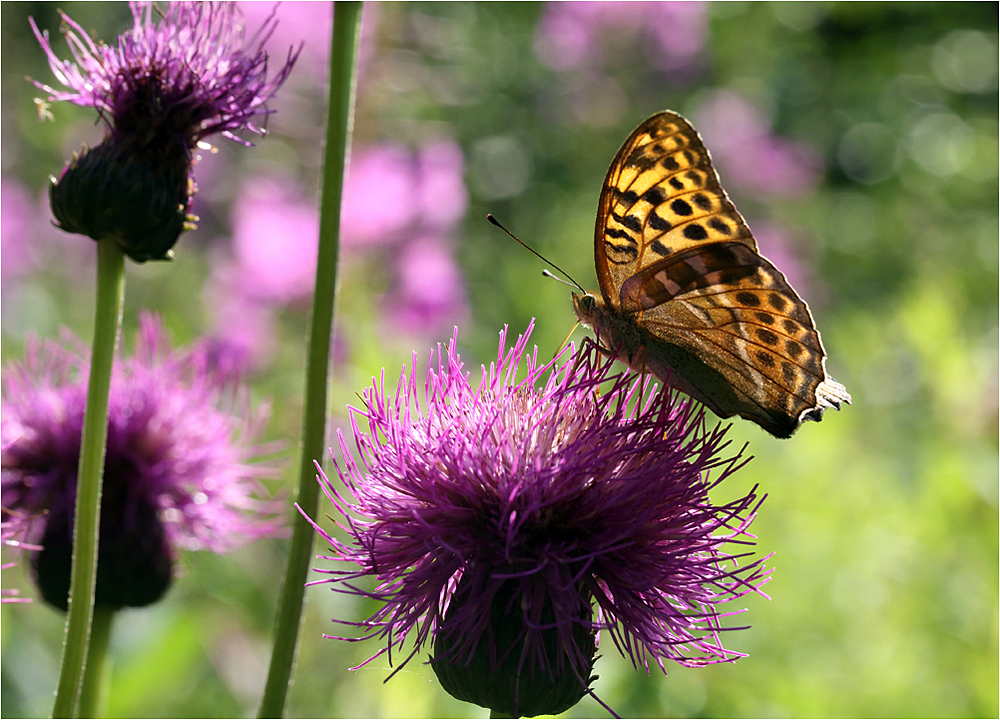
{"points": [[687, 296], [732, 311]]}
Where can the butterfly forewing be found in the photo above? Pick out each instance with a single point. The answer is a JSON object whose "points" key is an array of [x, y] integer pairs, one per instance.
{"points": [[688, 294], [661, 196]]}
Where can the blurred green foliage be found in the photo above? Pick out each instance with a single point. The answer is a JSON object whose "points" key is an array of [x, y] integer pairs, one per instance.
{"points": [[882, 520]]}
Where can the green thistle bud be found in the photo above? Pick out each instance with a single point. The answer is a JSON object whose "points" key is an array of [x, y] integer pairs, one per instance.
{"points": [[138, 195]]}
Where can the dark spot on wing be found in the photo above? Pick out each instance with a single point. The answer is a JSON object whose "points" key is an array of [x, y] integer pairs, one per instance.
{"points": [[670, 163], [777, 302], [654, 196], [676, 184], [748, 299], [694, 231], [681, 207], [630, 253], [720, 225], [629, 221], [658, 223], [764, 317], [641, 158], [659, 248], [702, 201], [765, 359], [766, 336], [619, 234], [788, 372], [629, 197]]}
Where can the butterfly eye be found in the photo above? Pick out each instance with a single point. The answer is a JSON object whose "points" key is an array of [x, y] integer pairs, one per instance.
{"points": [[585, 305]]}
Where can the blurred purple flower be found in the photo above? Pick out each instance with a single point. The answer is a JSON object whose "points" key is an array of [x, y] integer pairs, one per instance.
{"points": [[243, 338], [442, 197], [311, 25], [493, 518], [747, 154], [391, 192], [429, 294], [163, 89], [409, 204], [275, 237], [30, 241], [574, 35], [380, 196], [16, 228], [176, 473]]}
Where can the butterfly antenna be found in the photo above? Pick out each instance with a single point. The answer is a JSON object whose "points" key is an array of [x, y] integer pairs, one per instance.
{"points": [[545, 260], [558, 279]]}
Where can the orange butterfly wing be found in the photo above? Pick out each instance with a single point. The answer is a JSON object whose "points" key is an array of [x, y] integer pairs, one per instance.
{"points": [[686, 294]]}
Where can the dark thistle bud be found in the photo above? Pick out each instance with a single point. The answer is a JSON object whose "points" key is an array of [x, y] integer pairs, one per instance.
{"points": [[134, 559], [497, 673], [139, 196]]}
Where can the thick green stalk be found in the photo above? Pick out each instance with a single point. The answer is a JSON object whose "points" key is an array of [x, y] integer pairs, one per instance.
{"points": [[94, 691], [107, 324], [340, 118]]}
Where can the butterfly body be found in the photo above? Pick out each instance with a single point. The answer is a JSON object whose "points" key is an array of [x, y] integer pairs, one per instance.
{"points": [[686, 295]]}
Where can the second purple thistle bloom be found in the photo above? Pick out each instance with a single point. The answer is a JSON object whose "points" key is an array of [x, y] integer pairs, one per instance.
{"points": [[179, 471], [511, 522], [160, 91]]}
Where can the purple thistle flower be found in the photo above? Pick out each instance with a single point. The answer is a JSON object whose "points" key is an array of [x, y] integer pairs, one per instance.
{"points": [[162, 90], [494, 519], [176, 472]]}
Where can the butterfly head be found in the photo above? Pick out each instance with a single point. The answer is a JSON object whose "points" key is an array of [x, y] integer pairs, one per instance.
{"points": [[586, 308]]}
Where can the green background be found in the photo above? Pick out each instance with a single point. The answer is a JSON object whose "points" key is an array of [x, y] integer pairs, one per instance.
{"points": [[882, 520]]}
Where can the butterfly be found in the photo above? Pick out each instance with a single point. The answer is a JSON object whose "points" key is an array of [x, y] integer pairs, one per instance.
{"points": [[686, 296]]}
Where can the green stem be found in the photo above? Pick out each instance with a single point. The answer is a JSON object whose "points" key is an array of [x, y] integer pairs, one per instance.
{"points": [[340, 118], [94, 691], [107, 322]]}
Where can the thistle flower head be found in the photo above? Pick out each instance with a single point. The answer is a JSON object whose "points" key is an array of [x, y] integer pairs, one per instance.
{"points": [[163, 88], [508, 523], [176, 472]]}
